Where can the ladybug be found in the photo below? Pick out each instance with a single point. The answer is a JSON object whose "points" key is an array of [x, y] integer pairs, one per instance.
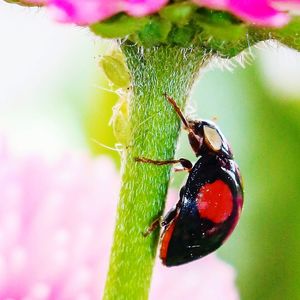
{"points": [[210, 202]]}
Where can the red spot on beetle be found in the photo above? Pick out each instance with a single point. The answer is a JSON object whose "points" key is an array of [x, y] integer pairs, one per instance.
{"points": [[237, 216], [214, 201], [165, 240]]}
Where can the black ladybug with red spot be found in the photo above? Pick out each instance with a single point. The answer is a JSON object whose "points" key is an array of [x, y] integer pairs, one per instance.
{"points": [[210, 202]]}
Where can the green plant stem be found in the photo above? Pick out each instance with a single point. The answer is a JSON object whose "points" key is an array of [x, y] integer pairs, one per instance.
{"points": [[154, 129]]}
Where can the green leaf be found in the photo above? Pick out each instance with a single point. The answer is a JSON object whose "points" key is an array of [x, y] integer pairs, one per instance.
{"points": [[118, 26], [181, 36], [219, 26], [155, 32], [178, 13]]}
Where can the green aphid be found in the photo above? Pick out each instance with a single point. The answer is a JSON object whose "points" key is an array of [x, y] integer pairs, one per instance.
{"points": [[115, 70], [119, 122]]}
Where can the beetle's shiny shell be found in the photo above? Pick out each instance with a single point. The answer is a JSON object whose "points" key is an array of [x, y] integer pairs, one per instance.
{"points": [[206, 214]]}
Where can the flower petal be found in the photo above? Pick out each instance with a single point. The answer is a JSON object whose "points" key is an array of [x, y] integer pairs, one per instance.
{"points": [[140, 8], [258, 12], [83, 12]]}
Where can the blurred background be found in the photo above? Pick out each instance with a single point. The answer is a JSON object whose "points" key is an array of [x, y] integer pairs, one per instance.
{"points": [[53, 99]]}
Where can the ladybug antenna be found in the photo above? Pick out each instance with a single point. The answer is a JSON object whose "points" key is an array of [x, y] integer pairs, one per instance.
{"points": [[195, 140], [178, 111]]}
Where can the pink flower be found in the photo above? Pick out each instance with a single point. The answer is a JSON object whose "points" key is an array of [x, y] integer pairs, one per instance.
{"points": [[259, 12], [208, 278], [85, 12], [56, 226]]}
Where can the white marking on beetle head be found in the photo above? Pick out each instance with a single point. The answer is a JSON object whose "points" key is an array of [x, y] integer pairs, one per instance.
{"points": [[212, 138]]}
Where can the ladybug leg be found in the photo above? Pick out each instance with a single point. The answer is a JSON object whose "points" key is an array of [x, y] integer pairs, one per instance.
{"points": [[152, 227], [186, 164], [182, 170]]}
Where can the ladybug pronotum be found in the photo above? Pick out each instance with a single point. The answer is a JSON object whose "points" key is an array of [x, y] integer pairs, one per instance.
{"points": [[210, 202]]}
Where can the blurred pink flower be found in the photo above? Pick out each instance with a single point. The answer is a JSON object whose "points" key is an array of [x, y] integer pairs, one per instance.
{"points": [[208, 278], [56, 227], [260, 12], [56, 219], [85, 12]]}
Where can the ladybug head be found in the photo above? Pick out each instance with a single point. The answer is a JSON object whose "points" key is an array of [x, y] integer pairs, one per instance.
{"points": [[205, 137]]}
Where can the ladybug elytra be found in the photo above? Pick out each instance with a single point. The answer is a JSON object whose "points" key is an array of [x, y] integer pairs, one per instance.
{"points": [[210, 202]]}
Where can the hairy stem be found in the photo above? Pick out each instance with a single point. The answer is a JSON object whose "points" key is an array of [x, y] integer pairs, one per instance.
{"points": [[154, 129]]}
